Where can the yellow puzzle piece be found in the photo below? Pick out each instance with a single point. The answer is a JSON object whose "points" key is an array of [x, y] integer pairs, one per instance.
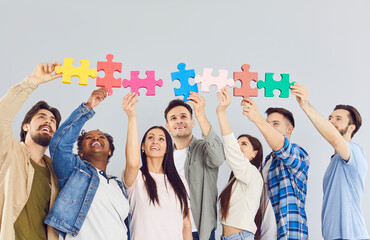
{"points": [[68, 70]]}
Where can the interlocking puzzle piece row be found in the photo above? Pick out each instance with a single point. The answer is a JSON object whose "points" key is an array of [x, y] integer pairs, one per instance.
{"points": [[183, 76], [208, 80], [108, 81], [269, 84], [68, 70]]}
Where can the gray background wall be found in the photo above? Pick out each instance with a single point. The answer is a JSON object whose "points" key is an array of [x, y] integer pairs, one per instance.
{"points": [[322, 44]]}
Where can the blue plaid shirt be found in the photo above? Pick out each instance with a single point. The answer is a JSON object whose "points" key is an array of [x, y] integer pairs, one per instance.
{"points": [[287, 186]]}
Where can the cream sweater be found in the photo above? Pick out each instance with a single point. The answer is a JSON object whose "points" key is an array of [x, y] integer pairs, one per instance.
{"points": [[247, 189]]}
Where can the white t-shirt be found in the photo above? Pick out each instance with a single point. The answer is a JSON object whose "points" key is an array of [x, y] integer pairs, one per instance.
{"points": [[155, 222], [179, 156], [268, 225], [107, 213]]}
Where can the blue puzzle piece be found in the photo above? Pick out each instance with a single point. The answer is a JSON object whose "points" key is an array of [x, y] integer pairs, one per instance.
{"points": [[183, 76]]}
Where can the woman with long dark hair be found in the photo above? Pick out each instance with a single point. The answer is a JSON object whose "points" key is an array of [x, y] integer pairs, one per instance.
{"points": [[158, 198], [240, 200]]}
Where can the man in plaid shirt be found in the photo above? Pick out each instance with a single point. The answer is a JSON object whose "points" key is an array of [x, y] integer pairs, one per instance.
{"points": [[287, 166]]}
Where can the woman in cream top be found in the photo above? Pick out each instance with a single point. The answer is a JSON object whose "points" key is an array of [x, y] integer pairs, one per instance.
{"points": [[241, 198]]}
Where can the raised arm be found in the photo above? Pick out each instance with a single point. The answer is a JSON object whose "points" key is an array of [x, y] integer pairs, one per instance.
{"points": [[132, 143], [225, 100], [198, 103], [323, 125], [12, 102], [273, 138], [241, 167], [61, 145], [213, 144]]}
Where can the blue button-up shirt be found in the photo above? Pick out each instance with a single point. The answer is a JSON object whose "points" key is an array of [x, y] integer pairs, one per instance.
{"points": [[287, 187]]}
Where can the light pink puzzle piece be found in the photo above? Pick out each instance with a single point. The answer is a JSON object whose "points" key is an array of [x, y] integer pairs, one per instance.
{"points": [[208, 80]]}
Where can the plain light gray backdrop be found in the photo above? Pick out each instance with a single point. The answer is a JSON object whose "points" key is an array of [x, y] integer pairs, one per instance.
{"points": [[323, 44]]}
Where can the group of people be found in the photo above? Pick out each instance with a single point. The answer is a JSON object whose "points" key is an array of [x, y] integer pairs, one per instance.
{"points": [[173, 193]]}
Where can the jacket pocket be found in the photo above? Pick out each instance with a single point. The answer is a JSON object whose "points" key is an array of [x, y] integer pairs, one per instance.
{"points": [[76, 187]]}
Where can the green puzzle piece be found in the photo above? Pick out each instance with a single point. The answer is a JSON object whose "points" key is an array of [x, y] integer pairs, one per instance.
{"points": [[270, 85]]}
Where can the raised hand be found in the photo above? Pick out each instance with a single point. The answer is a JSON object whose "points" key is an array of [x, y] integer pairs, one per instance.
{"points": [[97, 97], [301, 94], [198, 103], [128, 104], [250, 109], [225, 99], [43, 72]]}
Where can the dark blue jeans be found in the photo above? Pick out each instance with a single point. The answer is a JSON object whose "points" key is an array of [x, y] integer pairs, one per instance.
{"points": [[211, 237]]}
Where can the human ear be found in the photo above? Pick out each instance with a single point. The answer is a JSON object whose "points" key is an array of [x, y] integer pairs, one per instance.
{"points": [[25, 127]]}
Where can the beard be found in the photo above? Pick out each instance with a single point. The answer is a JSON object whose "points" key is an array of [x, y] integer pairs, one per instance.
{"points": [[343, 131], [41, 139]]}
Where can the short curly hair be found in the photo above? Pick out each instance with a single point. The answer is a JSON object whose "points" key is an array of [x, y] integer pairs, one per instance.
{"points": [[82, 136]]}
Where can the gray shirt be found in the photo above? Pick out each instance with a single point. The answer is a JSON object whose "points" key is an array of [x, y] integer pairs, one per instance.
{"points": [[203, 158]]}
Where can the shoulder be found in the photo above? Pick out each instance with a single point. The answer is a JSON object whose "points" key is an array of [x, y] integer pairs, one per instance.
{"points": [[357, 153]]}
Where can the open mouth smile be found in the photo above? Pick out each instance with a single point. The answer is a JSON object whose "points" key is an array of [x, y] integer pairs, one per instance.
{"points": [[95, 143]]}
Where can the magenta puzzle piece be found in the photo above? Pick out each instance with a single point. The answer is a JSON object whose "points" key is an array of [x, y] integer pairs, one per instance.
{"points": [[135, 83], [109, 67]]}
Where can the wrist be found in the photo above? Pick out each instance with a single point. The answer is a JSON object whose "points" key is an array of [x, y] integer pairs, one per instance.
{"points": [[34, 80], [88, 104]]}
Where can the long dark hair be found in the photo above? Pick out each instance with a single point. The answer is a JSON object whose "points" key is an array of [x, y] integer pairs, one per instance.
{"points": [[226, 193], [170, 171]]}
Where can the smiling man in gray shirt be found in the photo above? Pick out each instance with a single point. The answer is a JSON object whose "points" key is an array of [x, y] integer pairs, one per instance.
{"points": [[198, 160]]}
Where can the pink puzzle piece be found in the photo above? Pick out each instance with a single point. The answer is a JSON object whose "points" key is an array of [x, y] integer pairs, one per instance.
{"points": [[135, 83], [246, 77], [208, 80], [109, 67]]}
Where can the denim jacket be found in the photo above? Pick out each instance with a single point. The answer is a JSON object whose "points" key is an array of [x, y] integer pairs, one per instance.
{"points": [[77, 179]]}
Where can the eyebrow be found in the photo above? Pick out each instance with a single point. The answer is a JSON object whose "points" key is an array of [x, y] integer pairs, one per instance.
{"points": [[43, 114], [100, 134], [152, 134]]}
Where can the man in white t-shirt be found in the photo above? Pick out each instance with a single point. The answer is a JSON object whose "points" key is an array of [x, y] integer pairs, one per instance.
{"points": [[198, 160], [344, 178]]}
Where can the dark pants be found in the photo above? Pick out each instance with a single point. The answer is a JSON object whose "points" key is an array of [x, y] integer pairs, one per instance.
{"points": [[211, 237]]}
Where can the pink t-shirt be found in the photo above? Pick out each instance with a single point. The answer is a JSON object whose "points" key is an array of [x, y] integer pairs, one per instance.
{"points": [[157, 222]]}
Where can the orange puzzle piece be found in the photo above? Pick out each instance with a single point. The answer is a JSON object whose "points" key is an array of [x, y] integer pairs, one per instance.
{"points": [[246, 77]]}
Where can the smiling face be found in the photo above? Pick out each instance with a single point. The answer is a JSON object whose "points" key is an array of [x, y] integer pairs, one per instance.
{"points": [[41, 128], [94, 143], [280, 123], [179, 122], [247, 148], [340, 119], [154, 144]]}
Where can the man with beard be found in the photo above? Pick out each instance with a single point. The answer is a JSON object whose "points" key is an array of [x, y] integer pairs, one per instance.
{"points": [[198, 160], [344, 178], [28, 186]]}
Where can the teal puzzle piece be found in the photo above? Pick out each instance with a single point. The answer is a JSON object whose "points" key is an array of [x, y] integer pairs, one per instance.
{"points": [[270, 85]]}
